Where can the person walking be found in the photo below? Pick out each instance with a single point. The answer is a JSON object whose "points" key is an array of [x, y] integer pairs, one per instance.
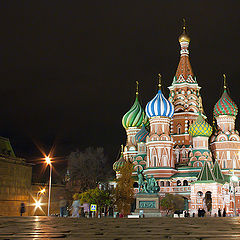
{"points": [[199, 212], [22, 209], [219, 212], [75, 208], [63, 206], [224, 212]]}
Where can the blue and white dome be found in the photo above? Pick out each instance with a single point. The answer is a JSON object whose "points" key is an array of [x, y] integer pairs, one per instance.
{"points": [[159, 106]]}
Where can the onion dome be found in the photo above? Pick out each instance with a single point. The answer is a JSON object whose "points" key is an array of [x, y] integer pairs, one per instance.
{"points": [[200, 128], [136, 116], [184, 37], [141, 135], [119, 163], [225, 106], [159, 106]]}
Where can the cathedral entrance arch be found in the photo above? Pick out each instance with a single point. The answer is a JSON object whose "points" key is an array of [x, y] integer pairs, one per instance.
{"points": [[208, 201]]}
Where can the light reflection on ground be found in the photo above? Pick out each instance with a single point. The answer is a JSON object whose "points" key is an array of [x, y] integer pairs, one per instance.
{"points": [[37, 228]]}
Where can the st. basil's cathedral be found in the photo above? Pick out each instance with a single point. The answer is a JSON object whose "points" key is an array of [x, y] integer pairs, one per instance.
{"points": [[173, 142]]}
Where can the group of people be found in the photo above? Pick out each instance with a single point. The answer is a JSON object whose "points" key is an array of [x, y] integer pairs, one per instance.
{"points": [[76, 207], [220, 213], [201, 212]]}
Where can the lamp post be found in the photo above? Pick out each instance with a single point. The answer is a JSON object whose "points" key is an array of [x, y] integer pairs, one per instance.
{"points": [[48, 161], [234, 180]]}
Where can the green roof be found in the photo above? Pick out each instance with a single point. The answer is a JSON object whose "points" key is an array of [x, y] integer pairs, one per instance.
{"points": [[217, 172], [187, 174], [6, 148], [206, 173]]}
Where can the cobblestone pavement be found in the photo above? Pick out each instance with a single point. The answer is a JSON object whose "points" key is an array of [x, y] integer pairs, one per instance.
{"points": [[26, 228]]}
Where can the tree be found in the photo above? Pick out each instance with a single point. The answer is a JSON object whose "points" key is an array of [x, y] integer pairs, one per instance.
{"points": [[124, 193], [103, 198], [87, 168], [172, 203]]}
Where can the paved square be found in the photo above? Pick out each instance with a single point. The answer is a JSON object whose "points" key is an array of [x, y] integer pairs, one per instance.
{"points": [[108, 228]]}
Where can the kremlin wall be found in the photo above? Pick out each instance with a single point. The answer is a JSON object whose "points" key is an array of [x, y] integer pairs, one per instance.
{"points": [[172, 141]]}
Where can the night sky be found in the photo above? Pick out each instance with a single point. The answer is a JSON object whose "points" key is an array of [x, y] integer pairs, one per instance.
{"points": [[68, 68]]}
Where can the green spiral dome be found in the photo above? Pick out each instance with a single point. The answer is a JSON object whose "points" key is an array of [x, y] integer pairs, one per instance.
{"points": [[135, 117], [200, 128]]}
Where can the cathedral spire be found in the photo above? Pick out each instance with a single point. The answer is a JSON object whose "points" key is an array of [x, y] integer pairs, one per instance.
{"points": [[159, 81], [184, 73], [224, 82], [137, 88]]}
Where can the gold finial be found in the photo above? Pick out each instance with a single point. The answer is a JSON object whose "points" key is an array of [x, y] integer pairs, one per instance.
{"points": [[137, 83], [184, 24], [122, 148], [200, 105], [159, 81], [225, 81], [184, 37]]}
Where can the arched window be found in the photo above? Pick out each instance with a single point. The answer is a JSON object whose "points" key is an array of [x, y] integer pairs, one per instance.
{"points": [[199, 193], [179, 129], [184, 154], [154, 161], [167, 184], [135, 185], [185, 183], [179, 183], [162, 183]]}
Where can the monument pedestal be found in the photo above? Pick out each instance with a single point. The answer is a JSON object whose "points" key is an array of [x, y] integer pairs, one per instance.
{"points": [[149, 203]]}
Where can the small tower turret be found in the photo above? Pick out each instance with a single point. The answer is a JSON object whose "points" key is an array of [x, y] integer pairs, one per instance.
{"points": [[159, 143], [132, 122], [225, 143]]}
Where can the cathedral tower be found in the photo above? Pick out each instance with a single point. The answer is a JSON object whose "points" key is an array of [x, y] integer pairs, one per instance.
{"points": [[159, 142], [225, 142], [185, 96], [132, 122], [200, 131]]}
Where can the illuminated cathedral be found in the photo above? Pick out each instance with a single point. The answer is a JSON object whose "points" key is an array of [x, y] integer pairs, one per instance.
{"points": [[172, 141]]}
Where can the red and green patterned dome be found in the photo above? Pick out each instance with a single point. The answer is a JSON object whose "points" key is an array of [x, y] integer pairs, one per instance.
{"points": [[225, 106]]}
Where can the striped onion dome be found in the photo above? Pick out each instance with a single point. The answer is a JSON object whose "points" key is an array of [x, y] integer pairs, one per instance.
{"points": [[159, 106], [119, 163], [225, 106], [135, 117], [141, 135], [200, 128]]}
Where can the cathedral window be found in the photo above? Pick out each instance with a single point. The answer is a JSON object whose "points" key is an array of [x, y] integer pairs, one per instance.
{"points": [[224, 164], [179, 183], [135, 185], [185, 183], [179, 129], [168, 184], [154, 161]]}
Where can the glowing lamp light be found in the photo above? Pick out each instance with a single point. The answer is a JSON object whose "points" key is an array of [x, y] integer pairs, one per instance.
{"points": [[48, 160], [43, 191], [234, 178], [37, 204]]}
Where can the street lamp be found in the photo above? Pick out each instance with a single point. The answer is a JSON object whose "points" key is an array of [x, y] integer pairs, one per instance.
{"points": [[41, 192], [48, 161], [234, 180]]}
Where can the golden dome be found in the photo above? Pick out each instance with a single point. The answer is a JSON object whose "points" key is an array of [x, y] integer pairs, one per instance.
{"points": [[184, 37]]}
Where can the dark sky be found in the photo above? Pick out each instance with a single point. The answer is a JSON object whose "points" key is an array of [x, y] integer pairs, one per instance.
{"points": [[68, 68]]}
